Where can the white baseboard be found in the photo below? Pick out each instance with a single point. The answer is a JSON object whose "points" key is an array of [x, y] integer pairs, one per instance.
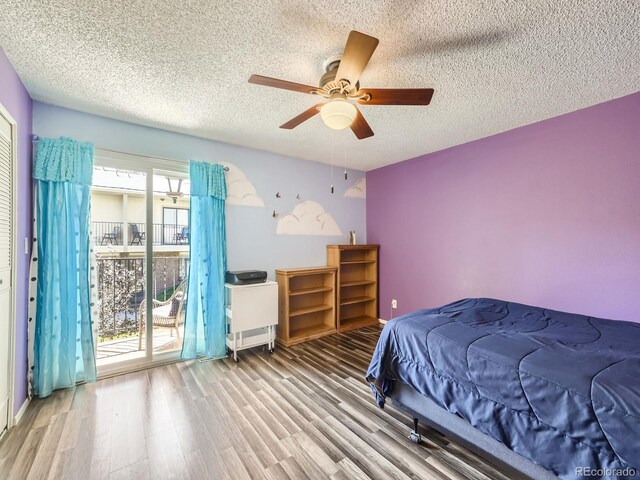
{"points": [[20, 413]]}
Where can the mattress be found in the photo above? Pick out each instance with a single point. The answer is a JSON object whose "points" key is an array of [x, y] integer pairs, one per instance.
{"points": [[560, 389]]}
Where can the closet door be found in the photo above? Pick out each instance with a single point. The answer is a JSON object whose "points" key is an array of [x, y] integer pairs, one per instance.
{"points": [[6, 225]]}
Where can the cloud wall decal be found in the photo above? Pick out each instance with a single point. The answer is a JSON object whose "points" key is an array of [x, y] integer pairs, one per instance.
{"points": [[307, 218], [240, 191], [358, 189]]}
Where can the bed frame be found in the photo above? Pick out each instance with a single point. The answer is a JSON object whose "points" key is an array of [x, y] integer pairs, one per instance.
{"points": [[515, 466]]}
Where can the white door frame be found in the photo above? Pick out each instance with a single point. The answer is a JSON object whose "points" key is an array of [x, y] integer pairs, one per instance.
{"points": [[11, 420], [149, 166]]}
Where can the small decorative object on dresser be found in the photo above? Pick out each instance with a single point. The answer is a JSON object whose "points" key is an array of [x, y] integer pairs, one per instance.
{"points": [[357, 287], [252, 316], [307, 303]]}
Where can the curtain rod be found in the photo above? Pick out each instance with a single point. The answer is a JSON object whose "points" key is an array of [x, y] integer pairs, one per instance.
{"points": [[35, 138]]}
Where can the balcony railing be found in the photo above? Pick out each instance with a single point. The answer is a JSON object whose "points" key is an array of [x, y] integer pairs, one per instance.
{"points": [[111, 233], [171, 234], [121, 290], [107, 233]]}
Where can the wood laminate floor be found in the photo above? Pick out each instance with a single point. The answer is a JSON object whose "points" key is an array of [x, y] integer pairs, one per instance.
{"points": [[304, 412]]}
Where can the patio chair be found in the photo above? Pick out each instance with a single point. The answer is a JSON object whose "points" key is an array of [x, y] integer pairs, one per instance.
{"points": [[136, 234], [112, 237], [183, 236], [167, 314]]}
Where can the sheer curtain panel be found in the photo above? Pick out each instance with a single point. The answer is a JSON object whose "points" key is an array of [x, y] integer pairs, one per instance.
{"points": [[62, 340], [205, 324]]}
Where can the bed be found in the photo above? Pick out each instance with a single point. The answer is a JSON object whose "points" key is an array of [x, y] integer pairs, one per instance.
{"points": [[561, 390]]}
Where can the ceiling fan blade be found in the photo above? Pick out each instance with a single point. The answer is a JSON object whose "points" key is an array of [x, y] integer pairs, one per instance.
{"points": [[357, 53], [277, 83], [360, 127], [397, 96], [303, 117]]}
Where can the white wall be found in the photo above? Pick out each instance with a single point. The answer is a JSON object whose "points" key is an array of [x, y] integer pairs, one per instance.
{"points": [[106, 208]]}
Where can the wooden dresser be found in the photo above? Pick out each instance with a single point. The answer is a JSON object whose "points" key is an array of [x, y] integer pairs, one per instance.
{"points": [[357, 284], [307, 303]]}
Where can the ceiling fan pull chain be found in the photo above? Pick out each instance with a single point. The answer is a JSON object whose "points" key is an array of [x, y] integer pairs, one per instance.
{"points": [[345, 158], [333, 133]]}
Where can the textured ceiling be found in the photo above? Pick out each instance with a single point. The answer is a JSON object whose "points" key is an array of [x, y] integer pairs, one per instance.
{"points": [[183, 65]]}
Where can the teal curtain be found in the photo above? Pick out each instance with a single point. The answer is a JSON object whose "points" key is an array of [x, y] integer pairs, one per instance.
{"points": [[63, 340], [205, 324]]}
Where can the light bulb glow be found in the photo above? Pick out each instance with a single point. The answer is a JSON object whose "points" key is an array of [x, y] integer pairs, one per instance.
{"points": [[338, 113]]}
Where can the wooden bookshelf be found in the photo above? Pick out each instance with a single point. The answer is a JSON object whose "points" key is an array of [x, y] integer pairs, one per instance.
{"points": [[357, 285], [307, 304]]}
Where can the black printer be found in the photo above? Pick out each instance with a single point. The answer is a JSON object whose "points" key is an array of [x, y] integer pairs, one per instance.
{"points": [[245, 277]]}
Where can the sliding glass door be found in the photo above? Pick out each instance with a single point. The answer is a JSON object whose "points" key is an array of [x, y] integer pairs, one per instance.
{"points": [[140, 233], [118, 221]]}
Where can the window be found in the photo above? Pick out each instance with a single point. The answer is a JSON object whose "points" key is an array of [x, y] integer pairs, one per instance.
{"points": [[175, 226]]}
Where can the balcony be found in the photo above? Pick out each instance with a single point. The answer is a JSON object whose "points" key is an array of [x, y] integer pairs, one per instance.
{"points": [[120, 284]]}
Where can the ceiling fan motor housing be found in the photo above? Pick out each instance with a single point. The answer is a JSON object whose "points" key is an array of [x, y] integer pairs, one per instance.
{"points": [[330, 67], [329, 76]]}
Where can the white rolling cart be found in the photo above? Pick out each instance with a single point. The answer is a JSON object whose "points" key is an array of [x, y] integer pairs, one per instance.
{"points": [[252, 316]]}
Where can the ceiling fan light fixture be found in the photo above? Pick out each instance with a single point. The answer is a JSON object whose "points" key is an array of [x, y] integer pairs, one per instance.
{"points": [[338, 114]]}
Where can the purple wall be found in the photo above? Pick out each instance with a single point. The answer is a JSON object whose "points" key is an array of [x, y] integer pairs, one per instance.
{"points": [[16, 100], [547, 214]]}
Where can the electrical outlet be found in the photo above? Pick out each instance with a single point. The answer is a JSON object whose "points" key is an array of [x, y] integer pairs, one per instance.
{"points": [[394, 303]]}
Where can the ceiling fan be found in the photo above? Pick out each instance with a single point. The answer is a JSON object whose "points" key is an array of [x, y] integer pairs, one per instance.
{"points": [[340, 86]]}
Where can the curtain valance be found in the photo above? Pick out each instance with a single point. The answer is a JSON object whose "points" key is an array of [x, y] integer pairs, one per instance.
{"points": [[64, 160], [207, 180]]}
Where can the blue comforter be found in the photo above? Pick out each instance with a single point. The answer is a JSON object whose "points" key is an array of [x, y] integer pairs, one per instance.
{"points": [[558, 388]]}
